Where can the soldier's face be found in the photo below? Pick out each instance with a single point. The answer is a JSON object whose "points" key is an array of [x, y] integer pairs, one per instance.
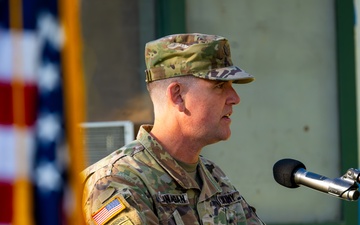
{"points": [[209, 104]]}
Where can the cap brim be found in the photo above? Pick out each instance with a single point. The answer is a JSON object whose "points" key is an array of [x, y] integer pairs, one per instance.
{"points": [[231, 73]]}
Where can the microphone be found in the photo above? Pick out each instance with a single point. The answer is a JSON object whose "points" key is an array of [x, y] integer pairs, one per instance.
{"points": [[292, 173]]}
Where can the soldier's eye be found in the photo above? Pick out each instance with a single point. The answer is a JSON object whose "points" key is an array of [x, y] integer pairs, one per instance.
{"points": [[220, 85]]}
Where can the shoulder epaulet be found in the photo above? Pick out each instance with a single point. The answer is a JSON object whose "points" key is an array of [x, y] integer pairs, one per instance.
{"points": [[127, 150]]}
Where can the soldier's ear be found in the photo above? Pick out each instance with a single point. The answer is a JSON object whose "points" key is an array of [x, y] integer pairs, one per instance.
{"points": [[174, 94]]}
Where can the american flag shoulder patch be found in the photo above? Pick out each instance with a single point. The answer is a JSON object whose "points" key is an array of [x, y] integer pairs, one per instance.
{"points": [[108, 211]]}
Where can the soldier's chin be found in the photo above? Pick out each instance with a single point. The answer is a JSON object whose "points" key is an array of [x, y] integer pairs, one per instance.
{"points": [[226, 136]]}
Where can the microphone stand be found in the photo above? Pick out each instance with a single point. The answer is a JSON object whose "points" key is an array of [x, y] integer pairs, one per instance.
{"points": [[351, 177]]}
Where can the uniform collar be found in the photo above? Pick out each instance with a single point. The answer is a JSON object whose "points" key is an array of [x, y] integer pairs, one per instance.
{"points": [[168, 163], [210, 186]]}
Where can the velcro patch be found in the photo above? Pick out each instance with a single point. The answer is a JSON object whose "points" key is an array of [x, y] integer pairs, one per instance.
{"points": [[230, 198], [177, 199], [108, 211]]}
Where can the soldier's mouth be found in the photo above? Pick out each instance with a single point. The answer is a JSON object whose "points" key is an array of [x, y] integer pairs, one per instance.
{"points": [[227, 116]]}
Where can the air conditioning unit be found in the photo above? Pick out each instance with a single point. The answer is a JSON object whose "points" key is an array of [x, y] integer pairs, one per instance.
{"points": [[102, 138]]}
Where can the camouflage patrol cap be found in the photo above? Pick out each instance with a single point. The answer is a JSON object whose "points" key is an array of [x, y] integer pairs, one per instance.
{"points": [[201, 55]]}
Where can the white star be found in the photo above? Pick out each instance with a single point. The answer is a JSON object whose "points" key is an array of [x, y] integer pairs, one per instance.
{"points": [[47, 177], [48, 127], [48, 77], [50, 30]]}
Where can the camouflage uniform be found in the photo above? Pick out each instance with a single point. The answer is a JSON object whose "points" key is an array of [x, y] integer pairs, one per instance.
{"points": [[149, 187]]}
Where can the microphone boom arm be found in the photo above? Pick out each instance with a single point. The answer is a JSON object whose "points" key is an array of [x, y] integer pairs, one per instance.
{"points": [[344, 187]]}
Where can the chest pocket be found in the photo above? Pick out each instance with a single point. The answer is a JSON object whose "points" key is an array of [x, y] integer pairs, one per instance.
{"points": [[226, 209]]}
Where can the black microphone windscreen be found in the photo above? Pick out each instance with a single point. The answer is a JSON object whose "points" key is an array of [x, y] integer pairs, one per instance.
{"points": [[284, 170]]}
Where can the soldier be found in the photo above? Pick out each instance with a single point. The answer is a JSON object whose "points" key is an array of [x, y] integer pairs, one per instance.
{"points": [[160, 178]]}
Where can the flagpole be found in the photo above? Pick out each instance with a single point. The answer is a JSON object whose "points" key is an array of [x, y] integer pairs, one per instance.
{"points": [[74, 93]]}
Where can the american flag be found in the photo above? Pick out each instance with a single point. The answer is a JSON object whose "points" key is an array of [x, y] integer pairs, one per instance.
{"points": [[38, 164], [108, 211]]}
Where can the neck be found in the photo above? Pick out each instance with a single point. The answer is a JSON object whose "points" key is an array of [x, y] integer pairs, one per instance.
{"points": [[176, 143]]}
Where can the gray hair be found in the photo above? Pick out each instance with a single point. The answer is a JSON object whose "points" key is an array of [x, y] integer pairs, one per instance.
{"points": [[157, 89]]}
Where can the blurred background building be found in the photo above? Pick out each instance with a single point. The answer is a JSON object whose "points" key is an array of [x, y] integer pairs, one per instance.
{"points": [[302, 105]]}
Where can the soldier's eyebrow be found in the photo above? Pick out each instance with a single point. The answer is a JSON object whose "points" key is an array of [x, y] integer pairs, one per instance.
{"points": [[220, 82]]}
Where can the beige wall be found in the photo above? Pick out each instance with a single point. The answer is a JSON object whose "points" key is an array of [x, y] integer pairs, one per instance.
{"points": [[291, 108], [114, 33]]}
